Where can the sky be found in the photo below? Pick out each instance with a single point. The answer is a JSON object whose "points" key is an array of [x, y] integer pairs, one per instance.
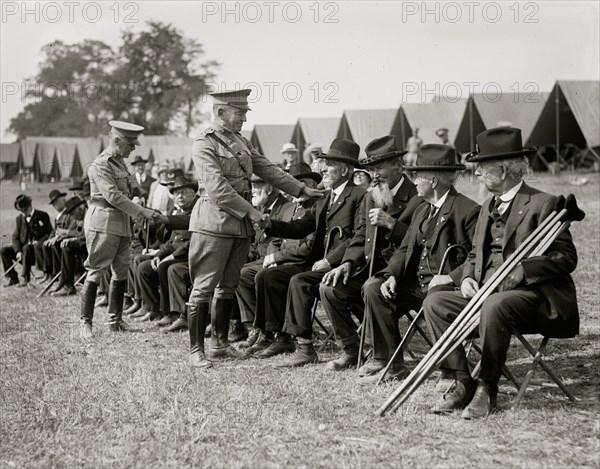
{"points": [[316, 59]]}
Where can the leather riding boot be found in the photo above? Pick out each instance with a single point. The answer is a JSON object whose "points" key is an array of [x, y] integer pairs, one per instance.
{"points": [[197, 320], [219, 342], [88, 298], [116, 294]]}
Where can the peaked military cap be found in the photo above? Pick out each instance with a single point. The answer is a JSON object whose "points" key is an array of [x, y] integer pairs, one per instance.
{"points": [[237, 99], [129, 131]]}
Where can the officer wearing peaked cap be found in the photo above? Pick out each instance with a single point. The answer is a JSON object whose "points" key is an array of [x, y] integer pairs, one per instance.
{"points": [[223, 219], [108, 224]]}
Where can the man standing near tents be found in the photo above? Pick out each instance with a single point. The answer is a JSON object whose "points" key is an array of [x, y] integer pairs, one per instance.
{"points": [[223, 220], [108, 224]]}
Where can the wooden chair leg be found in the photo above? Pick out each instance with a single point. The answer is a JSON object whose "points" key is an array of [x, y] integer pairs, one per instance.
{"points": [[538, 359]]}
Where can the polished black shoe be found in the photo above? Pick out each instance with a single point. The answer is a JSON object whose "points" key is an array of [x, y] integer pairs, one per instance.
{"points": [[11, 282], [395, 373], [253, 336], [482, 404], [460, 396], [304, 355], [134, 307], [199, 360], [261, 343], [180, 324], [281, 344], [65, 291], [225, 353], [371, 367], [167, 320], [149, 316], [343, 362]]}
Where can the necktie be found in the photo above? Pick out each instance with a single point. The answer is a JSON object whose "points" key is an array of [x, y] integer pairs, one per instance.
{"points": [[495, 210], [432, 210], [332, 199]]}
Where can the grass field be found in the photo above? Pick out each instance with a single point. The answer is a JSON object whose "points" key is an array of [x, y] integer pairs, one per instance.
{"points": [[131, 400]]}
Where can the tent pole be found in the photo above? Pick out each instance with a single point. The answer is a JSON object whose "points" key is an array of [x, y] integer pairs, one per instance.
{"points": [[557, 121], [471, 137]]}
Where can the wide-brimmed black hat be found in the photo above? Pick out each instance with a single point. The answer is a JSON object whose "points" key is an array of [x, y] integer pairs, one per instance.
{"points": [[381, 149], [180, 182], [342, 150], [302, 170], [73, 203], [499, 143], [436, 157], [22, 202], [138, 159], [55, 194]]}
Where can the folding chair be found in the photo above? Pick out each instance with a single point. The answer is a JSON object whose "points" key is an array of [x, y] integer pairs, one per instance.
{"points": [[537, 355]]}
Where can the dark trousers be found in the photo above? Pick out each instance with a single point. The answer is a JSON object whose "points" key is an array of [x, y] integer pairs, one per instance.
{"points": [[9, 256], [154, 285], [179, 286], [133, 282], [73, 256], [516, 308], [39, 256], [383, 315], [246, 291], [304, 289], [272, 286], [339, 302], [51, 256]]}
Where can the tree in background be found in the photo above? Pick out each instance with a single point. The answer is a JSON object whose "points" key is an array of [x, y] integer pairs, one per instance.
{"points": [[68, 95], [155, 79]]}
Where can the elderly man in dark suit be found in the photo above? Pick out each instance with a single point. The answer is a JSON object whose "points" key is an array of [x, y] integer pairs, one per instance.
{"points": [[446, 218], [252, 290], [33, 228], [538, 295], [143, 179], [385, 214], [339, 209]]}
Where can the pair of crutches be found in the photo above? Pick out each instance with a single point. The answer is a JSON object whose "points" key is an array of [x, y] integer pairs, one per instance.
{"points": [[536, 244]]}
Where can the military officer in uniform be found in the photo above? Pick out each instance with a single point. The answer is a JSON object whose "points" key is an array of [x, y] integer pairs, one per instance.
{"points": [[223, 220], [108, 224]]}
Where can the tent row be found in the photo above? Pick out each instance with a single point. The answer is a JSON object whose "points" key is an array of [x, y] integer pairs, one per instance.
{"points": [[567, 118]]}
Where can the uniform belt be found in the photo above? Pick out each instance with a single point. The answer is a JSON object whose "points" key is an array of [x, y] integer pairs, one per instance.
{"points": [[100, 203], [247, 195]]}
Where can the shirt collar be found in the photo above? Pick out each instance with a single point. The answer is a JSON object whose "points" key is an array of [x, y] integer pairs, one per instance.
{"points": [[443, 198], [338, 190], [397, 186], [141, 177], [510, 194]]}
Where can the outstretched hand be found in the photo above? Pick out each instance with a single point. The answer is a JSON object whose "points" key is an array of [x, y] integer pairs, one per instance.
{"points": [[310, 192]]}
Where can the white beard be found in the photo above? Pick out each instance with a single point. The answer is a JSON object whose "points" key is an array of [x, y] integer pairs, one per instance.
{"points": [[382, 195]]}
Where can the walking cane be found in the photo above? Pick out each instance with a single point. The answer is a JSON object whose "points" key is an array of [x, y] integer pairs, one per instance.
{"points": [[9, 271], [363, 333], [47, 287], [316, 303], [413, 324]]}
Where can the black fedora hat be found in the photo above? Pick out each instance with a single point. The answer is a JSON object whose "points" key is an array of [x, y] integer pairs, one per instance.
{"points": [[436, 157], [381, 149], [499, 143], [73, 203], [302, 170], [342, 150], [55, 194], [180, 182], [22, 202], [138, 159]]}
